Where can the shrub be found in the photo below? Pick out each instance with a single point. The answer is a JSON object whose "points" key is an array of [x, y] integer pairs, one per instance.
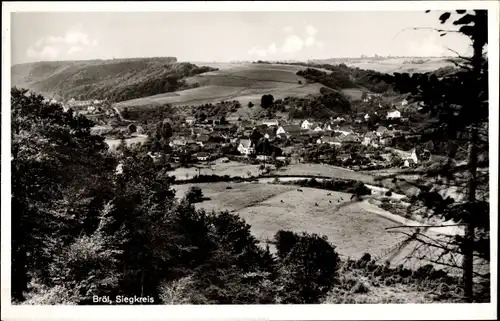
{"points": [[194, 195], [250, 104], [360, 287], [388, 193], [309, 268]]}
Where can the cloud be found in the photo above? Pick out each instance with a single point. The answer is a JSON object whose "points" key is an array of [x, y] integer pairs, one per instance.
{"points": [[311, 30], [291, 45], [52, 47], [428, 46], [74, 50], [309, 41]]}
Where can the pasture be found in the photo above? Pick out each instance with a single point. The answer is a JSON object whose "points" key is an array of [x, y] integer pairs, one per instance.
{"points": [[114, 142], [392, 65], [216, 167], [244, 83], [325, 171], [268, 208]]}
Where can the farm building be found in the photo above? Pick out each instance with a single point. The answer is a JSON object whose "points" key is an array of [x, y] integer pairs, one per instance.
{"points": [[246, 147]]}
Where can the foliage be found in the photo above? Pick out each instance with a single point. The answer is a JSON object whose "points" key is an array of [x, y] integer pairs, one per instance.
{"points": [[266, 100], [308, 266], [113, 80], [194, 195]]}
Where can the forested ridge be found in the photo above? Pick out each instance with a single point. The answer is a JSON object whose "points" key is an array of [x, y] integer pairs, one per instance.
{"points": [[114, 80]]}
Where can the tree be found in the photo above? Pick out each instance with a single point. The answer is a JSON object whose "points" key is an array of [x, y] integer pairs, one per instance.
{"points": [[55, 162], [194, 195], [459, 103], [266, 101], [308, 265], [132, 128], [250, 104]]}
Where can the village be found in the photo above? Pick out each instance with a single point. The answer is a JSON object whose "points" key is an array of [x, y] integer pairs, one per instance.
{"points": [[356, 140]]}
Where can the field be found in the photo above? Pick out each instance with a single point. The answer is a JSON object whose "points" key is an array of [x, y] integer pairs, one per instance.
{"points": [[391, 65], [269, 208], [241, 82], [325, 171], [216, 167]]}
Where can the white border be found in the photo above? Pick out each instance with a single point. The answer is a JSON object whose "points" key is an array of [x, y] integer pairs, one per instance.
{"points": [[271, 312]]}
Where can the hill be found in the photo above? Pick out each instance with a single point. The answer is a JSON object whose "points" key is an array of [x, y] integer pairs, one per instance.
{"points": [[114, 80], [391, 65], [243, 82]]}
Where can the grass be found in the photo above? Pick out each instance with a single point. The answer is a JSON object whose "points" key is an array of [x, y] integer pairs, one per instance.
{"points": [[245, 83], [326, 171], [231, 169], [352, 229]]}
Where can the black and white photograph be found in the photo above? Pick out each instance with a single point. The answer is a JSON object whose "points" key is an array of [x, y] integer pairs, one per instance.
{"points": [[338, 155]]}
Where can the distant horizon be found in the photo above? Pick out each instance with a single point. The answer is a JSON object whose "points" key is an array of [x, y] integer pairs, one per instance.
{"points": [[231, 61], [230, 36]]}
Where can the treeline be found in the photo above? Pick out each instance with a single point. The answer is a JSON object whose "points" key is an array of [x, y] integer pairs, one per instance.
{"points": [[343, 76], [111, 80], [329, 103]]}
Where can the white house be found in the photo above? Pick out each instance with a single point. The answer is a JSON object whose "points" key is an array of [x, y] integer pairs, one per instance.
{"points": [[270, 122], [367, 117], [246, 147], [190, 120], [419, 154], [202, 156], [264, 157], [381, 130], [318, 128], [409, 162], [344, 130], [370, 138], [329, 140], [404, 102], [306, 124], [393, 114]]}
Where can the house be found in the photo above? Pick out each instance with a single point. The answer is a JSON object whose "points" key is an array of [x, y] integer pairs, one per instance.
{"points": [[225, 128], [329, 126], [264, 157], [289, 130], [358, 120], [199, 131], [409, 162], [339, 119], [386, 139], [202, 139], [247, 133], [246, 147], [178, 142], [270, 122], [345, 130], [393, 114], [281, 158], [329, 140], [381, 130], [370, 138], [350, 139], [306, 124], [419, 154], [318, 128], [404, 102], [270, 132], [202, 156], [233, 119], [158, 158], [366, 117], [190, 120]]}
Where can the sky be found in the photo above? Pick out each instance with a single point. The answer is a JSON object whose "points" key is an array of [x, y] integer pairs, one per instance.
{"points": [[228, 36]]}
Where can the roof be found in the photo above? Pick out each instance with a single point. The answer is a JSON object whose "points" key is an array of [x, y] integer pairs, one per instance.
{"points": [[190, 118], [203, 138], [350, 138], [381, 129], [329, 139], [202, 154], [246, 143], [291, 128], [370, 135]]}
